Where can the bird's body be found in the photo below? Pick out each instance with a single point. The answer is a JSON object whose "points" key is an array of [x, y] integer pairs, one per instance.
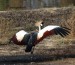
{"points": [[21, 37], [31, 39]]}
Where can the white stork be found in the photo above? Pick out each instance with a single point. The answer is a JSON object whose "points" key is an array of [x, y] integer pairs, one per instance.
{"points": [[31, 39]]}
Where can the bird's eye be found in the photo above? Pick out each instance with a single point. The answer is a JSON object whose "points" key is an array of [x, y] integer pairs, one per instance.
{"points": [[41, 24]]}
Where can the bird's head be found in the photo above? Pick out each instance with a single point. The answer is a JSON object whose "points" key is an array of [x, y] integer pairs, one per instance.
{"points": [[42, 25], [39, 24]]}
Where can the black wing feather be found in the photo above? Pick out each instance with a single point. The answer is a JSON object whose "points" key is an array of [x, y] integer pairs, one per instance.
{"points": [[55, 31], [66, 28], [67, 31], [61, 31]]}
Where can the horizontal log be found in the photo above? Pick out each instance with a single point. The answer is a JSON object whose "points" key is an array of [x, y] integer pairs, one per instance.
{"points": [[33, 58], [42, 55]]}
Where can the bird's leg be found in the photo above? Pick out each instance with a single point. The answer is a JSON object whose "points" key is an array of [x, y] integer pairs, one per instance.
{"points": [[29, 45], [32, 50]]}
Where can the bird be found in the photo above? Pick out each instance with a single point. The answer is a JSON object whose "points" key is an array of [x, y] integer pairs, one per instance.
{"points": [[39, 24], [33, 38]]}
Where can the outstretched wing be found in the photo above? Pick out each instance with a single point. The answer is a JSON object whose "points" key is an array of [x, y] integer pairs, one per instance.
{"points": [[53, 30], [20, 35]]}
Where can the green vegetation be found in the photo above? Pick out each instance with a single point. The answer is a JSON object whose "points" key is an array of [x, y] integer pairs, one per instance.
{"points": [[3, 4], [18, 4]]}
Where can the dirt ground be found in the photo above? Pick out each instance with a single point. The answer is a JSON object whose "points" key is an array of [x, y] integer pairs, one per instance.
{"points": [[13, 50]]}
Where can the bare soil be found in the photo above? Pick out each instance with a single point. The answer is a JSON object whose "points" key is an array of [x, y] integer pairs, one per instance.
{"points": [[40, 51]]}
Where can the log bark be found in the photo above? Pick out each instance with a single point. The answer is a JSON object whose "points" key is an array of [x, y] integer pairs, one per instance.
{"points": [[49, 55]]}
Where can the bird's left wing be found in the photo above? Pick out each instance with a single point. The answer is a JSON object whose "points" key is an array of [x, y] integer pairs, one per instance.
{"points": [[53, 30], [20, 35]]}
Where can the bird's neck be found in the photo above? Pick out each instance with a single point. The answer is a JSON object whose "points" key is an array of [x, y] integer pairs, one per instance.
{"points": [[39, 28]]}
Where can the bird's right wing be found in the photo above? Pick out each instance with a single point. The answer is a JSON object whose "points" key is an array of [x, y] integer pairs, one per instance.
{"points": [[53, 30]]}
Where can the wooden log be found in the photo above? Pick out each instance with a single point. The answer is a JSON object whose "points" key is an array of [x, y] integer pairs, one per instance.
{"points": [[32, 58], [41, 56]]}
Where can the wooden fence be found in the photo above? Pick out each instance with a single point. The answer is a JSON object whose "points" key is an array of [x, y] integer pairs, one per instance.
{"points": [[33, 4]]}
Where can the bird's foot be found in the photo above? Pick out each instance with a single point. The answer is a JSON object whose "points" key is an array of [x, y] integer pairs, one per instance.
{"points": [[32, 50]]}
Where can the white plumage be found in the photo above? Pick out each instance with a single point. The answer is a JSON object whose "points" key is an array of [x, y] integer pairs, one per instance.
{"points": [[20, 35], [47, 28]]}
